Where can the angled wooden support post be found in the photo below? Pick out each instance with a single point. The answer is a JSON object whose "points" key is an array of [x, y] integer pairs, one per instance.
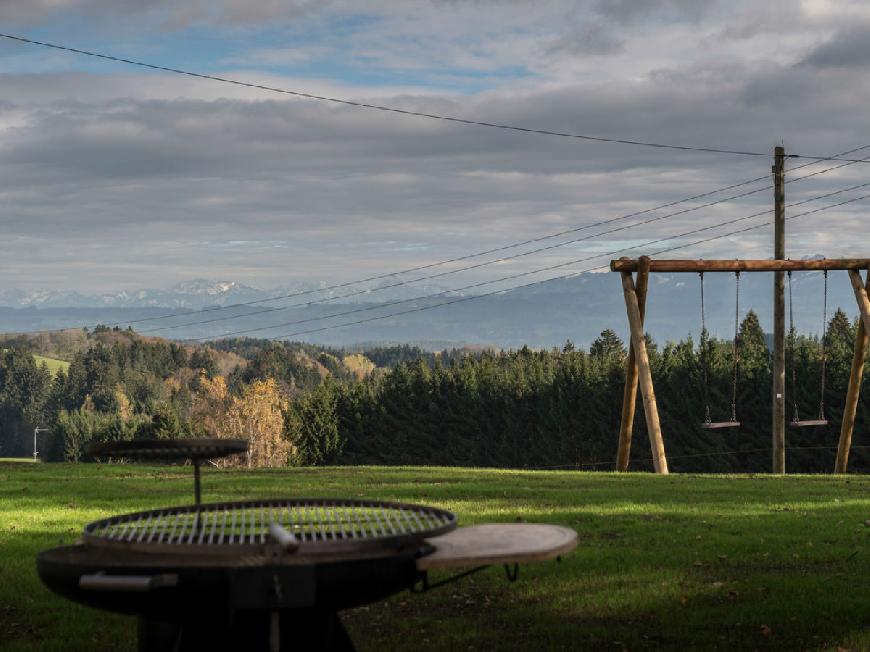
{"points": [[650, 408], [854, 391], [861, 297], [629, 394]]}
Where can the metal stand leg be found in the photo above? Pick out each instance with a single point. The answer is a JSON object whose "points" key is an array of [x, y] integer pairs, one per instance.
{"points": [[154, 636], [197, 495], [339, 638], [312, 630], [196, 488]]}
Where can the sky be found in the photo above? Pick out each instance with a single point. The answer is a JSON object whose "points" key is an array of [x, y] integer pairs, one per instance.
{"points": [[115, 177]]}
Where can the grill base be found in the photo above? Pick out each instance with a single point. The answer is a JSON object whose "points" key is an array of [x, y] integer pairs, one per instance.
{"points": [[301, 629], [243, 604]]}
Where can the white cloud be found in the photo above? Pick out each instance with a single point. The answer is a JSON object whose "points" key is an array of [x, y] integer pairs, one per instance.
{"points": [[113, 177]]}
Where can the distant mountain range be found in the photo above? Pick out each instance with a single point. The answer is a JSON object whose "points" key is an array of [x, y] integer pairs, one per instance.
{"points": [[544, 315], [199, 293]]}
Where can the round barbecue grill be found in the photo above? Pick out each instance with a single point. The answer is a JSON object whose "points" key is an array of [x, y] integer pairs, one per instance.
{"points": [[243, 571], [268, 574]]}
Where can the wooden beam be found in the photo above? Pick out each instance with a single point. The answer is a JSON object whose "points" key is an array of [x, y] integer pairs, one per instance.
{"points": [[853, 392], [651, 411], [629, 394], [627, 265]]}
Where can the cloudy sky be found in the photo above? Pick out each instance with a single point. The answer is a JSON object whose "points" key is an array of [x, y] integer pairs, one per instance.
{"points": [[116, 177]]}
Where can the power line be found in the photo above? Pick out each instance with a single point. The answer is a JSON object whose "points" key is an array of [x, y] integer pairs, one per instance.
{"points": [[537, 271], [456, 271], [504, 258], [471, 255], [419, 114], [600, 267]]}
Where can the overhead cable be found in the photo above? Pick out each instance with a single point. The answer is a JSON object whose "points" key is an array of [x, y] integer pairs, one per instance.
{"points": [[419, 114], [538, 271], [497, 260]]}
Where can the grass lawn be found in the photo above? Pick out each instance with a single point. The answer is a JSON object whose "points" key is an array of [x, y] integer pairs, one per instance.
{"points": [[53, 364], [678, 562]]}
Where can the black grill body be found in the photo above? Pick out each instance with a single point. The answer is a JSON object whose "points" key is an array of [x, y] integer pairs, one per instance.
{"points": [[250, 603]]}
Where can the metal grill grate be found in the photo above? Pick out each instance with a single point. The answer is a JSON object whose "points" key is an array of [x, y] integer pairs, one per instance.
{"points": [[315, 523]]}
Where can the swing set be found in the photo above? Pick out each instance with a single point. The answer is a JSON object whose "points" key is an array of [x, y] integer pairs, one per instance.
{"points": [[796, 421], [638, 369]]}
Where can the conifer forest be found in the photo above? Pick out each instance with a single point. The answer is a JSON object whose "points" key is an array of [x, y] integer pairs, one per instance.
{"points": [[301, 404]]}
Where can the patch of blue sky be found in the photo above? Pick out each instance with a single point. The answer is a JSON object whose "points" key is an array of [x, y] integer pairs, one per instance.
{"points": [[198, 51], [327, 50]]}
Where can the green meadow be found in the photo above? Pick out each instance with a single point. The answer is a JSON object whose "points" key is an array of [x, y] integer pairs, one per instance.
{"points": [[674, 562], [54, 365]]}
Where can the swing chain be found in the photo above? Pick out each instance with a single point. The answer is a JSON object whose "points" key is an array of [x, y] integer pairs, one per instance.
{"points": [[704, 357], [795, 416], [736, 352]]}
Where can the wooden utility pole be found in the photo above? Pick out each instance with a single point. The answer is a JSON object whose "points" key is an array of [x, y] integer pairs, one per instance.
{"points": [[779, 314], [854, 390], [629, 394], [651, 411]]}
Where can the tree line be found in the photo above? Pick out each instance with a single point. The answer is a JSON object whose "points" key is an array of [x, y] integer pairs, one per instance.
{"points": [[300, 404]]}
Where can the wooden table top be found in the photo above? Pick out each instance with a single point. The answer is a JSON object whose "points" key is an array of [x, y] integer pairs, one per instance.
{"points": [[498, 543]]}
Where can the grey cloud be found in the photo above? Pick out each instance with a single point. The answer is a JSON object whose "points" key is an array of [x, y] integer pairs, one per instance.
{"points": [[590, 40], [847, 49], [116, 172], [110, 178], [778, 19], [630, 10]]}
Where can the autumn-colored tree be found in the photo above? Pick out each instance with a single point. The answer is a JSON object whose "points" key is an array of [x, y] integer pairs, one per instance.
{"points": [[359, 365], [258, 416], [209, 406], [124, 407]]}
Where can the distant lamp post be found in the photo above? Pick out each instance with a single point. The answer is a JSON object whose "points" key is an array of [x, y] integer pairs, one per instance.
{"points": [[36, 431]]}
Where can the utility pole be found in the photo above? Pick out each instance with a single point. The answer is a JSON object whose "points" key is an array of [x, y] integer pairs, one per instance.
{"points": [[779, 313]]}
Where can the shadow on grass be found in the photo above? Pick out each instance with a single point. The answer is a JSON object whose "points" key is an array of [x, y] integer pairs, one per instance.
{"points": [[546, 612]]}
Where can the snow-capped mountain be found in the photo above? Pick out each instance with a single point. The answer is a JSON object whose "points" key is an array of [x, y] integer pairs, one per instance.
{"points": [[197, 294], [578, 308]]}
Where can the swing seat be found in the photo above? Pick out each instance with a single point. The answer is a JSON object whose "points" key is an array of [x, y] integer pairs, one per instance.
{"points": [[717, 425], [808, 423]]}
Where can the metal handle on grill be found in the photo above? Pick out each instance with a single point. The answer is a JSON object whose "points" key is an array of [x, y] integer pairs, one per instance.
{"points": [[127, 583], [287, 540]]}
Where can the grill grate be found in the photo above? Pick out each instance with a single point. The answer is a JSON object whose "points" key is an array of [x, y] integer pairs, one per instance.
{"points": [[315, 523]]}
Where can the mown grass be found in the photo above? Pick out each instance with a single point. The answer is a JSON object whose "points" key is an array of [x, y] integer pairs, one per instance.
{"points": [[54, 365], [679, 562]]}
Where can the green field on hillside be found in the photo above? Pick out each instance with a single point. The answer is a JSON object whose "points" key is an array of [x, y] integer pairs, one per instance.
{"points": [[673, 562], [53, 364]]}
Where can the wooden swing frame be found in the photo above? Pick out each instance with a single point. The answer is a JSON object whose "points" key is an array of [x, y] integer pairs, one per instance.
{"points": [[638, 372]]}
